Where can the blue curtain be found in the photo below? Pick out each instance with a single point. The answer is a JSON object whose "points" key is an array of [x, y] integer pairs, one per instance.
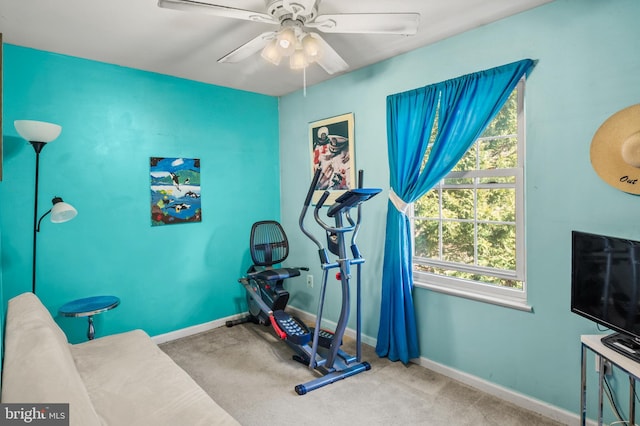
{"points": [[467, 105]]}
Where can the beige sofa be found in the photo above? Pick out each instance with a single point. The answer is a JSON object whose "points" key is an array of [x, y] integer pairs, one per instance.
{"points": [[119, 380]]}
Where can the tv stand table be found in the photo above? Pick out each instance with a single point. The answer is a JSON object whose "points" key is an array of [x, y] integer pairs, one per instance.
{"points": [[627, 365]]}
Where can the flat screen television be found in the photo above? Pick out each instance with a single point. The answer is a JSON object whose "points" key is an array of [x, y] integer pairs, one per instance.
{"points": [[605, 287]]}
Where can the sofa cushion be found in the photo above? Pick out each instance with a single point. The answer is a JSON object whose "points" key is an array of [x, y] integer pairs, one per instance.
{"points": [[38, 366], [132, 382]]}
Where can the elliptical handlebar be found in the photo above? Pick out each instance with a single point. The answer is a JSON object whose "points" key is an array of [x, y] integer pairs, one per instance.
{"points": [[328, 228], [357, 223], [314, 182], [307, 201], [322, 199]]}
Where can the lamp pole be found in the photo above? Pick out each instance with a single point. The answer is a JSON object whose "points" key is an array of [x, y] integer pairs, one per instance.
{"points": [[37, 146], [38, 134]]}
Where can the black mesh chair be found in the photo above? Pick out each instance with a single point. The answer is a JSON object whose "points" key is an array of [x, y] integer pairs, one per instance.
{"points": [[269, 246]]}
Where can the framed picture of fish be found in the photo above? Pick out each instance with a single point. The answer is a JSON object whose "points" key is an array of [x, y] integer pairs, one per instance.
{"points": [[175, 191]]}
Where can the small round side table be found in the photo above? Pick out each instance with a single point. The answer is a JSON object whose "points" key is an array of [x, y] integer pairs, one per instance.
{"points": [[88, 307]]}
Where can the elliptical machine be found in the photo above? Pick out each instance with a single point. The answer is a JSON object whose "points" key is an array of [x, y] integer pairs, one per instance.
{"points": [[315, 347]]}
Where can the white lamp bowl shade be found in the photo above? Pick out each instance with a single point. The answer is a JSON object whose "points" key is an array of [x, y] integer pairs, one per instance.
{"points": [[62, 212], [37, 131]]}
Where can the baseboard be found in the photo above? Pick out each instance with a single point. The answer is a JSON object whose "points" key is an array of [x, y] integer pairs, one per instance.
{"points": [[521, 400], [195, 329], [200, 328]]}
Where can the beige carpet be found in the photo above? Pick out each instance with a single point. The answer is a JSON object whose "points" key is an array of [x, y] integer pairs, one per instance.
{"points": [[250, 373]]}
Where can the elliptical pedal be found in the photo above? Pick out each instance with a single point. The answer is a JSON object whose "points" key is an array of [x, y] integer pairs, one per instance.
{"points": [[296, 331], [325, 338]]}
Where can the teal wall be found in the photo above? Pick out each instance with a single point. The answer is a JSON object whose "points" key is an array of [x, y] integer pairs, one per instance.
{"points": [[113, 120], [589, 57], [2, 306], [172, 277]]}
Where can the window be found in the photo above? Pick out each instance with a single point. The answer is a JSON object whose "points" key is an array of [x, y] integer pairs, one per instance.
{"points": [[469, 229]]}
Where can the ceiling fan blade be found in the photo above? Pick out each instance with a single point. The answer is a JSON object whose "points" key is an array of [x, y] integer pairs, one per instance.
{"points": [[329, 60], [249, 48], [367, 23], [216, 10]]}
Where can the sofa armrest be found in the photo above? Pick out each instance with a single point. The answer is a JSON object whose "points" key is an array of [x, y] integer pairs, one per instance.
{"points": [[38, 366]]}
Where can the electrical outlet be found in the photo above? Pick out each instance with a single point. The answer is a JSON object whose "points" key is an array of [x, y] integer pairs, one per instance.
{"points": [[608, 368], [310, 281]]}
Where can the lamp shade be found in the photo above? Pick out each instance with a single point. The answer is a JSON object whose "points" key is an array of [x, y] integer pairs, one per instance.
{"points": [[311, 47], [37, 131], [298, 60], [61, 211], [271, 52], [287, 41]]}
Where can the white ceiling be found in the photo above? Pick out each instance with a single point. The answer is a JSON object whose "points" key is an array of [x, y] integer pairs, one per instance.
{"points": [[139, 34]]}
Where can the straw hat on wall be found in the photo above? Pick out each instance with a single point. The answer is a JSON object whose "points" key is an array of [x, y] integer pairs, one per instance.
{"points": [[615, 150]]}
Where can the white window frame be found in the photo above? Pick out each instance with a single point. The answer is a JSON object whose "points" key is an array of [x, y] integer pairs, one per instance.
{"points": [[503, 296]]}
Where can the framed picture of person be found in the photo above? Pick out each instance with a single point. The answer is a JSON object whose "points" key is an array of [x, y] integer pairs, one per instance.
{"points": [[333, 151]]}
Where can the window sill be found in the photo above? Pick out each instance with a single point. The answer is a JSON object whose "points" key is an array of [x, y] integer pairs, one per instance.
{"points": [[506, 302]]}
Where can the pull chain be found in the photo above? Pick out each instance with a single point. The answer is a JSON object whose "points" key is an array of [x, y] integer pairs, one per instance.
{"points": [[304, 81]]}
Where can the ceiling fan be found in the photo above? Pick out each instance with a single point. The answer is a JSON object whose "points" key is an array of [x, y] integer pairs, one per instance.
{"points": [[293, 39]]}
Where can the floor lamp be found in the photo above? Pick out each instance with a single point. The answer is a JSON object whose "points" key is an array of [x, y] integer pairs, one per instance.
{"points": [[38, 134]]}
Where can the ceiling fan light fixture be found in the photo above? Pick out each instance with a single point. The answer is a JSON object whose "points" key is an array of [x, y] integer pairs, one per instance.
{"points": [[287, 41], [298, 60], [271, 52], [311, 47], [294, 18]]}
